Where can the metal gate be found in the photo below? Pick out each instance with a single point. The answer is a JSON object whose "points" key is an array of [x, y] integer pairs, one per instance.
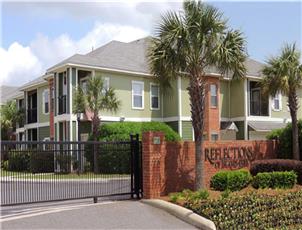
{"points": [[52, 171]]}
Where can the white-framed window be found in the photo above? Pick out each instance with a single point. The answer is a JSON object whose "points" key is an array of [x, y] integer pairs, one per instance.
{"points": [[154, 96], [214, 136], [105, 84], [213, 91], [137, 95], [64, 84], [277, 102], [46, 101]]}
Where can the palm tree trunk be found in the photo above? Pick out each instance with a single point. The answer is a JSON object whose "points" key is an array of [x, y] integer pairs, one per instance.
{"points": [[293, 107], [197, 95], [95, 132]]}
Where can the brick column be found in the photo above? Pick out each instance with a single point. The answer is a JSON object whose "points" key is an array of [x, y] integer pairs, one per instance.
{"points": [[153, 150]]}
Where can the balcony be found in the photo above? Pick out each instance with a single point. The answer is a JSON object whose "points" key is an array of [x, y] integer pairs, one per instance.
{"points": [[32, 115], [62, 104]]}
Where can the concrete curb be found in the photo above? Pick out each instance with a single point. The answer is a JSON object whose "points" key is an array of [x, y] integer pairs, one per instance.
{"points": [[182, 213]]}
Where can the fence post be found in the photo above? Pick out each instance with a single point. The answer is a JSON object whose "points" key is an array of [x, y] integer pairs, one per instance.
{"points": [[153, 149], [131, 164]]}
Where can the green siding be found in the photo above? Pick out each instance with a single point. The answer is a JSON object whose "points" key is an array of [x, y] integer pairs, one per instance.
{"points": [[42, 117], [170, 101], [224, 99], [187, 133], [185, 98], [237, 98], [74, 131], [240, 133], [173, 125], [44, 132]]}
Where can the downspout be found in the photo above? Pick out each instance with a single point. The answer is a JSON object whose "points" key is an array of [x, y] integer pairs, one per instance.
{"points": [[179, 106]]}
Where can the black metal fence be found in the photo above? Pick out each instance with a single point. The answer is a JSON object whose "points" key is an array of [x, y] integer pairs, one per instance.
{"points": [[50, 171]]}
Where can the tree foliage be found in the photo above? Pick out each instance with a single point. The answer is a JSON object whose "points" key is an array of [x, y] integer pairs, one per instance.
{"points": [[187, 44]]}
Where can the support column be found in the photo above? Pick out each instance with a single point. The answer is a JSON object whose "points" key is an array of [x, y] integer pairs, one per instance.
{"points": [[153, 154]]}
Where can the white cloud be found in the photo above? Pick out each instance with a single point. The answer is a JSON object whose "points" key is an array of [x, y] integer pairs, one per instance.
{"points": [[18, 64], [26, 63]]}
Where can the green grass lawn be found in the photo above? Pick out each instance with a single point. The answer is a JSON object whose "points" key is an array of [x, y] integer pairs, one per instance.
{"points": [[24, 175]]}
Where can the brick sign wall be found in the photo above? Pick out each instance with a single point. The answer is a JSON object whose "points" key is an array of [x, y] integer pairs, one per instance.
{"points": [[170, 167]]}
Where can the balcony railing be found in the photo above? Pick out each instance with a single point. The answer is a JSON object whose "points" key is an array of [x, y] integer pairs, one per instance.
{"points": [[32, 115], [62, 104]]}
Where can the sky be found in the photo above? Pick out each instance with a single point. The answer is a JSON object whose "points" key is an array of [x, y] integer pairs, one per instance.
{"points": [[36, 35]]}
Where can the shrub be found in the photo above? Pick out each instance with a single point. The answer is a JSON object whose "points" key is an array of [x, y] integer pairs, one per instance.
{"points": [[118, 131], [19, 161], [253, 211], [275, 180], [42, 162], [284, 136], [175, 197], [232, 180], [278, 165], [4, 165], [225, 194], [64, 162], [112, 158]]}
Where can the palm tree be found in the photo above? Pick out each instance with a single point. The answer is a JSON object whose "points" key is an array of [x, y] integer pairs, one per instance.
{"points": [[95, 98], [185, 44], [283, 74], [10, 116]]}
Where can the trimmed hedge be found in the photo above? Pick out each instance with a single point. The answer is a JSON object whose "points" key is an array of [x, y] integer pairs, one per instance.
{"points": [[19, 161], [284, 137], [277, 165], [230, 180], [282, 180], [30, 161], [119, 131], [252, 211]]}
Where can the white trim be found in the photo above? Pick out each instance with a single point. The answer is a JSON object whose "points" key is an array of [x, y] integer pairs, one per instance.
{"points": [[101, 68], [32, 86], [70, 104], [142, 92], [257, 118], [272, 99], [246, 85], [158, 96], [179, 106], [262, 118], [43, 101], [64, 117], [20, 130], [36, 125]]}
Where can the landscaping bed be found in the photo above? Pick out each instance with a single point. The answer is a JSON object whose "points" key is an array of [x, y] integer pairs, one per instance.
{"points": [[238, 200]]}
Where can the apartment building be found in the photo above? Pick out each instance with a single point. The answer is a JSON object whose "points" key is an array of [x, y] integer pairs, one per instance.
{"points": [[234, 109]]}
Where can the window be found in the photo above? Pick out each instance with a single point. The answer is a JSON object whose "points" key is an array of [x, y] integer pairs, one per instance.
{"points": [[64, 84], [213, 89], [154, 96], [84, 86], [137, 95], [214, 137], [105, 85], [277, 105], [46, 101]]}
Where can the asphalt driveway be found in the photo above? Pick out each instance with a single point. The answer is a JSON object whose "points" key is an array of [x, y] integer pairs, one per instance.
{"points": [[85, 215]]}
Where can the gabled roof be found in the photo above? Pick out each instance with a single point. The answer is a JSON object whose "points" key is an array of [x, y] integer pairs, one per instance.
{"points": [[37, 81], [132, 57], [115, 55], [8, 93]]}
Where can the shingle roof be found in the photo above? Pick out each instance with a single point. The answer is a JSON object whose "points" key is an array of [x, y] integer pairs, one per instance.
{"points": [[36, 81], [8, 93], [266, 125], [132, 57]]}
